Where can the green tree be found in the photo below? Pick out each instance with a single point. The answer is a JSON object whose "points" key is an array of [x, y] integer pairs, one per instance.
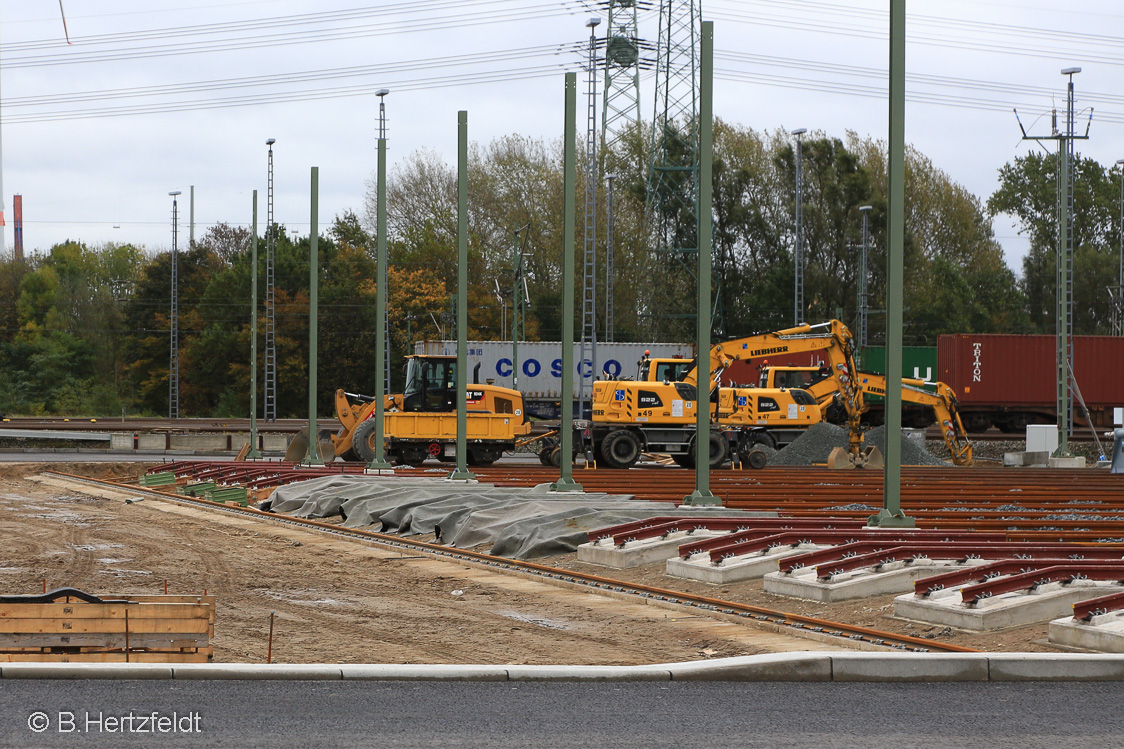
{"points": [[1028, 193]]}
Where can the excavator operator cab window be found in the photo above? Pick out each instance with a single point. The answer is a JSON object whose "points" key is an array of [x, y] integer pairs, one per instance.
{"points": [[672, 371], [430, 385], [794, 379]]}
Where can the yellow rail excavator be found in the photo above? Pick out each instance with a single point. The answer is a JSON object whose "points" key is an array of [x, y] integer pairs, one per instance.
{"points": [[421, 422], [940, 398], [657, 414], [629, 414]]}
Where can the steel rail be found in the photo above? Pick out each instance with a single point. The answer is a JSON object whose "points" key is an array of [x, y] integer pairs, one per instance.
{"points": [[703, 603]]}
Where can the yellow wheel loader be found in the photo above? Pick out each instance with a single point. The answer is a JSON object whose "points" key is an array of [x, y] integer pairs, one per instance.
{"points": [[421, 422]]}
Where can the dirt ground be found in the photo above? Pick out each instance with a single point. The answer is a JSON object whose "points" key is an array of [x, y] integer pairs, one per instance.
{"points": [[338, 600]]}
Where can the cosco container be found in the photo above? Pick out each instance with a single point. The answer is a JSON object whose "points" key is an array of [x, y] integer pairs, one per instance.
{"points": [[540, 365]]}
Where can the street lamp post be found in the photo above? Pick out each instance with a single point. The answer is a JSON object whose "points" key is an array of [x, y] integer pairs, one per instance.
{"points": [[798, 306], [382, 360]]}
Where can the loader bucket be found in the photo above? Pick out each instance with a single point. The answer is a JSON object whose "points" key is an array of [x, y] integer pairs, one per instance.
{"points": [[298, 447]]}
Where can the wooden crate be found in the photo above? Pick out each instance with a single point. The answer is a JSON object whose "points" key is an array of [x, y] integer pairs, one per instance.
{"points": [[141, 629]]}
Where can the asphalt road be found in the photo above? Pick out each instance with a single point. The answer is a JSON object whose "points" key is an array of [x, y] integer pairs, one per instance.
{"points": [[559, 715]]}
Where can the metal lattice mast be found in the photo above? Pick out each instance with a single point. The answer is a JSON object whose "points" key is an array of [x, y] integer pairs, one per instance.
{"points": [[270, 300], [589, 275], [174, 320], [798, 252], [864, 272], [674, 174], [1065, 271], [1118, 301], [610, 271], [1063, 303], [620, 112]]}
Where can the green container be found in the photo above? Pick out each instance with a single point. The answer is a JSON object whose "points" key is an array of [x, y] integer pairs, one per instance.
{"points": [[918, 362]]}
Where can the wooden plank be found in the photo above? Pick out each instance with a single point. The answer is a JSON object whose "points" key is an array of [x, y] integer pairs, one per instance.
{"points": [[105, 658], [104, 610], [162, 640], [85, 626]]}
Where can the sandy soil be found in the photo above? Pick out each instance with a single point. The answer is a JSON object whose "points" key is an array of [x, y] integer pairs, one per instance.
{"points": [[335, 600]]}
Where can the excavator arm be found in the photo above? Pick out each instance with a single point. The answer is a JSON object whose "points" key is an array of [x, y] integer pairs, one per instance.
{"points": [[832, 338], [944, 403]]}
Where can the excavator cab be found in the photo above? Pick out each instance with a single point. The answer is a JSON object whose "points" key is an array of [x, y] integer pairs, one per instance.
{"points": [[431, 384], [663, 370]]}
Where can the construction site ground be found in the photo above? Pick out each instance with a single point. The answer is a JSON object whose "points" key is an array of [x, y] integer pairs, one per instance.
{"points": [[338, 600]]}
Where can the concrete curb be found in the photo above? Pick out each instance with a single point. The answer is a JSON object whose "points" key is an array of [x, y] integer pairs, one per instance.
{"points": [[807, 666]]}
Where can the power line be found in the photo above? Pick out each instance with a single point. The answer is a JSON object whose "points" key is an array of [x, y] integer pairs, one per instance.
{"points": [[534, 11]]}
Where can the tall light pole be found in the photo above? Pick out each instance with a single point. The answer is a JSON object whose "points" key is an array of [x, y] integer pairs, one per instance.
{"points": [[1120, 273], [174, 327], [864, 300], [382, 360], [270, 300], [798, 255], [382, 279]]}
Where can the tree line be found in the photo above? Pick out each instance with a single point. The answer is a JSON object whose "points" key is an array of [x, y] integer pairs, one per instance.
{"points": [[84, 330]]}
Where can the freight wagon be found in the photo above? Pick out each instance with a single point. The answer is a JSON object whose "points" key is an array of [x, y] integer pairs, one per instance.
{"points": [[1011, 380], [540, 366]]}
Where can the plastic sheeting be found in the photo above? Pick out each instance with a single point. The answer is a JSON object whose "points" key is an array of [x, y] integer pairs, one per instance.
{"points": [[519, 523]]}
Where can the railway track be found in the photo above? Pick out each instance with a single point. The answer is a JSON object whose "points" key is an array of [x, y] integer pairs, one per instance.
{"points": [[663, 596], [134, 424]]}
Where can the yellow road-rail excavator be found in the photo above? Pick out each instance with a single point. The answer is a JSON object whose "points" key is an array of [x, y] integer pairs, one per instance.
{"points": [[658, 415]]}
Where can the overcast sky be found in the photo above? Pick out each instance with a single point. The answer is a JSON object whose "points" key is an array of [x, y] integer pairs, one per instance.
{"points": [[151, 97]]}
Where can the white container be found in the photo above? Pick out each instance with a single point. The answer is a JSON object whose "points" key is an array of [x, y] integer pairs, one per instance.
{"points": [[540, 362]]}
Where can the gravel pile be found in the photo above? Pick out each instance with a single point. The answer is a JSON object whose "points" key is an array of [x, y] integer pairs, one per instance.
{"points": [[820, 439]]}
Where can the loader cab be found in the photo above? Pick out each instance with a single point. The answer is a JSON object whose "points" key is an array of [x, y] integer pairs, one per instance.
{"points": [[431, 384]]}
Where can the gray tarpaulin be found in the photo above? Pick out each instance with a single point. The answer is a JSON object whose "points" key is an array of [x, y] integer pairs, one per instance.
{"points": [[521, 523]]}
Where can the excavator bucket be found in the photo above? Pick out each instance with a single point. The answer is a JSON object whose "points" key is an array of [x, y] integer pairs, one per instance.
{"points": [[869, 458]]}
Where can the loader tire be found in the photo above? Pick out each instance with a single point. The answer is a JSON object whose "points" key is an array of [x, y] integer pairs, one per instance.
{"points": [[620, 449], [363, 440]]}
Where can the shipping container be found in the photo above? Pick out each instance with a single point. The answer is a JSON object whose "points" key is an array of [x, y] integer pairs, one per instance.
{"points": [[540, 365], [1011, 380], [919, 362]]}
